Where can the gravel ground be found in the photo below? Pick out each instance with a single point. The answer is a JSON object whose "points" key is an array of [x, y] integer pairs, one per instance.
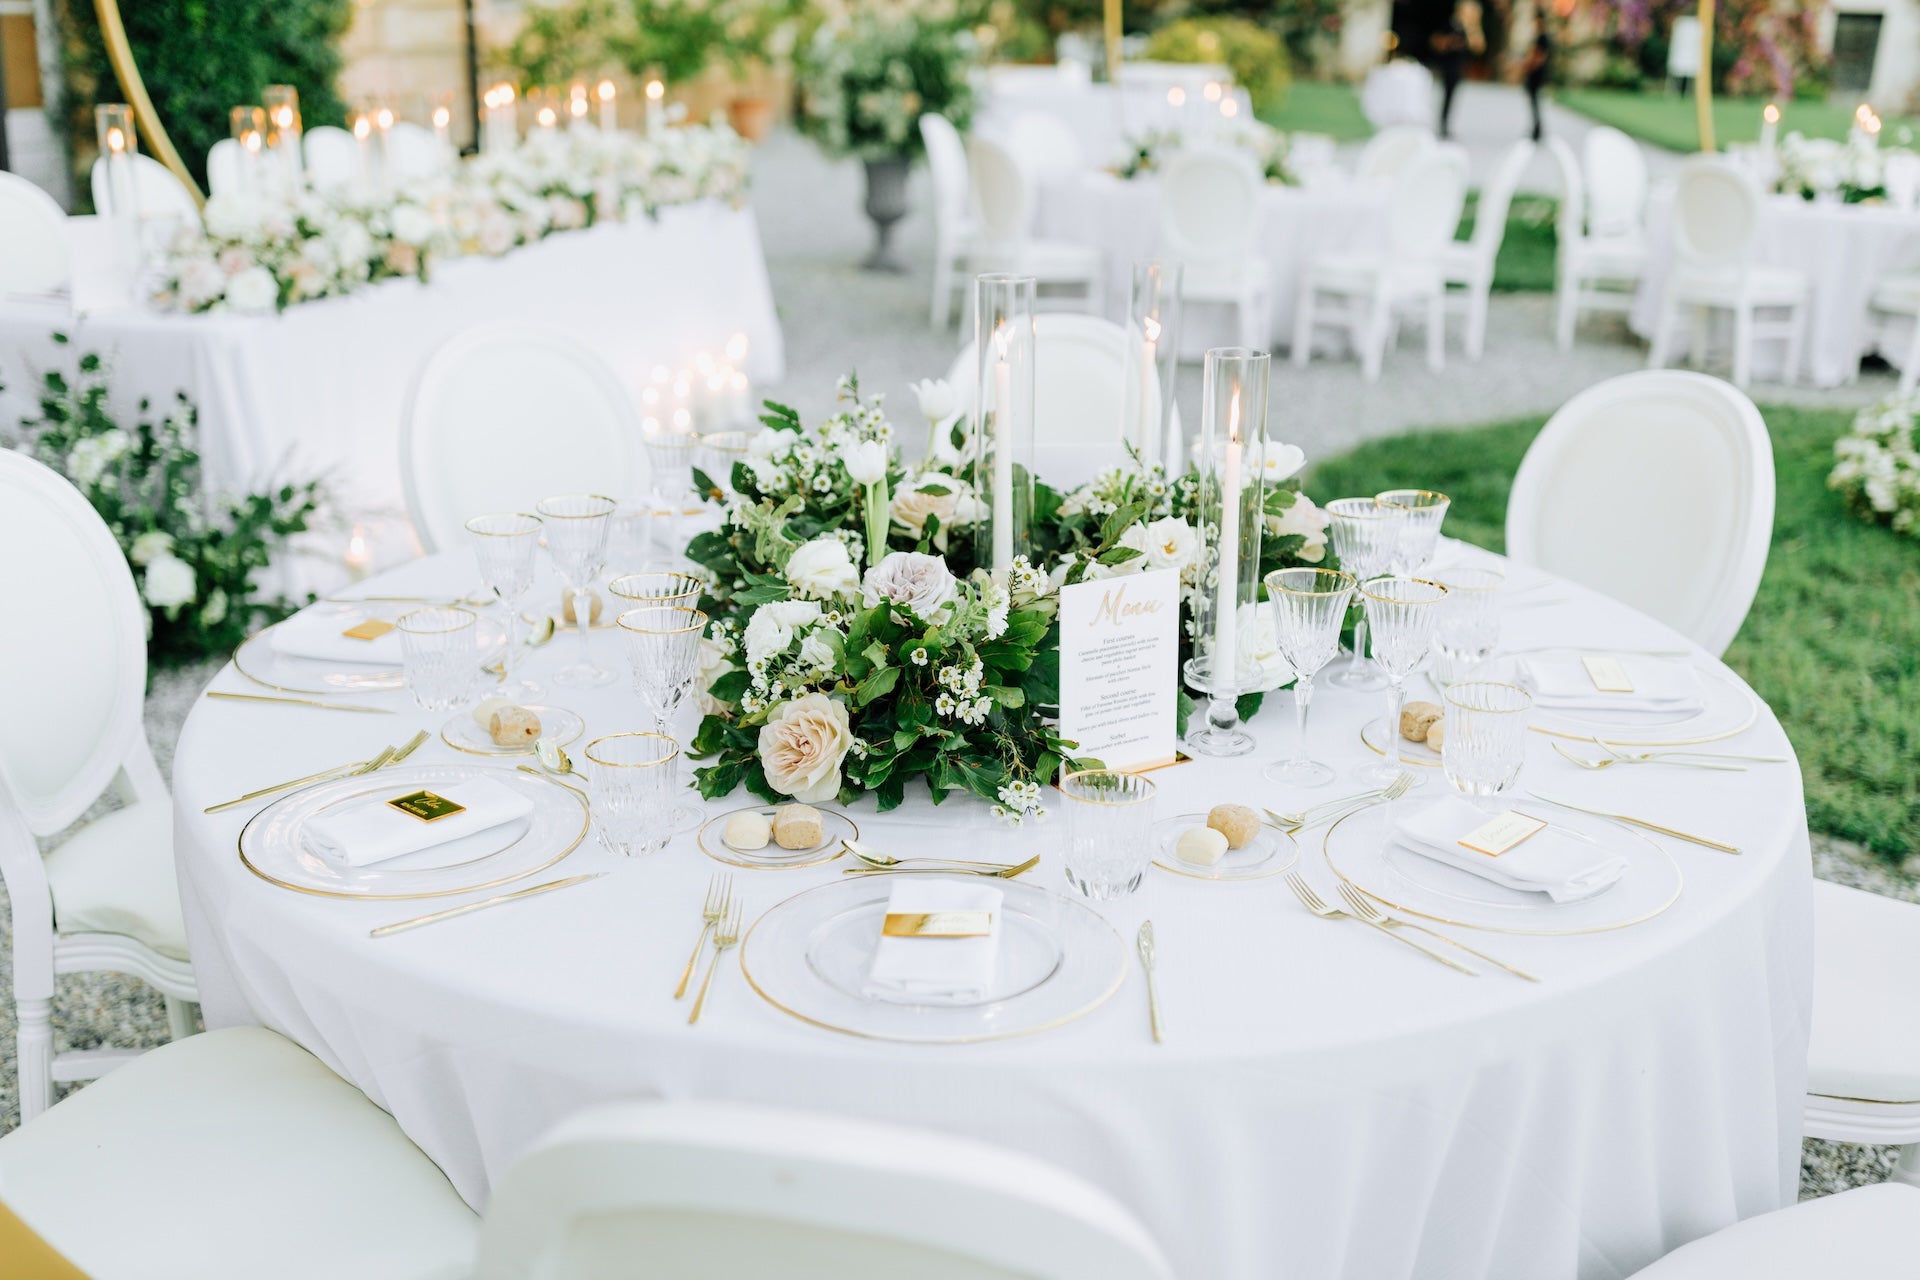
{"points": [[837, 318]]}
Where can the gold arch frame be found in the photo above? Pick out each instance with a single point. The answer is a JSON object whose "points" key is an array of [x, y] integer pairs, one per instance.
{"points": [[120, 54]]}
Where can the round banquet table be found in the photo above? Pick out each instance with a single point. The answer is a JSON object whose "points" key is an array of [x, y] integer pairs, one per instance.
{"points": [[1326, 1104], [1845, 251], [1121, 217]]}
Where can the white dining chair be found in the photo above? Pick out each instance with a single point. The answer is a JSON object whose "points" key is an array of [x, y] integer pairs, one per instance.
{"points": [[1591, 272], [707, 1189], [502, 416], [35, 256], [1716, 223], [1868, 1231], [954, 220], [1897, 298], [1392, 151], [412, 153], [1210, 209], [161, 196], [1004, 191], [1079, 397], [1691, 457], [230, 1156], [104, 898], [1616, 173], [1469, 264], [1403, 274], [332, 156]]}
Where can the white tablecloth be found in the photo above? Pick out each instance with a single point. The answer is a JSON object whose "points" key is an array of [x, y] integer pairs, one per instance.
{"points": [[1327, 1104], [1121, 217], [1101, 117], [1845, 251], [322, 386]]}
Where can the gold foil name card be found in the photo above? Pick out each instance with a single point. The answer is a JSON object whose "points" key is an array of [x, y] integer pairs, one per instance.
{"points": [[1503, 833], [1607, 674], [937, 924], [427, 806], [371, 629]]}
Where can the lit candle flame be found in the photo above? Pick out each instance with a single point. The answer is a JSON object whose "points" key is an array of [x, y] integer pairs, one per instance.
{"points": [[506, 94], [547, 118], [1152, 327], [1771, 114], [116, 141], [443, 117], [1176, 96], [1229, 108], [362, 127], [737, 348], [250, 140], [1233, 418], [606, 91], [655, 91], [384, 118], [283, 117], [1212, 91], [1001, 339]]}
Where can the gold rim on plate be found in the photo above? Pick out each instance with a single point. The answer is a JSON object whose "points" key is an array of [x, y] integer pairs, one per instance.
{"points": [[383, 674], [1167, 861], [735, 858]]}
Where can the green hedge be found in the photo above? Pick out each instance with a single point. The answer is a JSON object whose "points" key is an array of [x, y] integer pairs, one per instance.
{"points": [[200, 59]]}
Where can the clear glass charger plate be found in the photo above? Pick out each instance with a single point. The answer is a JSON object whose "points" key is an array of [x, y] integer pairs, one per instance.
{"points": [[1361, 850], [260, 662], [836, 827], [1270, 852], [809, 956], [557, 725], [275, 847]]}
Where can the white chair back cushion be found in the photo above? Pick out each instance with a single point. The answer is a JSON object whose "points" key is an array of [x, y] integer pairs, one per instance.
{"points": [[34, 253], [1210, 205], [1496, 198], [1655, 488], [73, 666], [1616, 182], [159, 194], [1716, 214], [332, 155], [1000, 190], [1390, 152], [412, 152], [1570, 224], [716, 1190], [947, 166], [502, 417], [1427, 202]]}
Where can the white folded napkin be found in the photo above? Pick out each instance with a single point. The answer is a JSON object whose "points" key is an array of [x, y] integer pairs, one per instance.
{"points": [[1560, 681], [1550, 861], [371, 830], [317, 636], [937, 968]]}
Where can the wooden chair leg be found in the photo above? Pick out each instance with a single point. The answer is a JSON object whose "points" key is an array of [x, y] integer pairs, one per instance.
{"points": [[35, 1069]]}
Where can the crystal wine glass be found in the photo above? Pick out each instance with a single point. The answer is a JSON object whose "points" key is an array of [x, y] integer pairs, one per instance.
{"points": [[1309, 606], [1424, 510], [1486, 739], [1469, 625], [1363, 532], [671, 454], [577, 526], [663, 650], [504, 545], [1402, 612], [631, 779]]}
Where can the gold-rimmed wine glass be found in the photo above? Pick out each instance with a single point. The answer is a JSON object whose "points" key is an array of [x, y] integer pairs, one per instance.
{"points": [[577, 527], [504, 544], [631, 777], [1402, 612], [1363, 532], [1420, 533], [658, 586], [1309, 606], [1486, 740], [663, 651]]}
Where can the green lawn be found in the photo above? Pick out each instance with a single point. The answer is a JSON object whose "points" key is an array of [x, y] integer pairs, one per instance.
{"points": [[1321, 106], [1669, 120], [1832, 642], [1525, 264]]}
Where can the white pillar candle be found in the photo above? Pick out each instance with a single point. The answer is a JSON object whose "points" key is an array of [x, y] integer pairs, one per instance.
{"points": [[383, 150], [1226, 626], [1769, 128], [656, 94], [609, 118], [1002, 457], [1149, 433], [120, 179], [362, 154], [577, 104], [443, 133]]}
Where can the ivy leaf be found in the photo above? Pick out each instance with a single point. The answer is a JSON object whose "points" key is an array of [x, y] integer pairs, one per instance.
{"points": [[877, 685], [1120, 555]]}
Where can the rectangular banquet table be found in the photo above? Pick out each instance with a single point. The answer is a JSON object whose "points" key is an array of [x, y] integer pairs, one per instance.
{"points": [[321, 388], [1327, 1104]]}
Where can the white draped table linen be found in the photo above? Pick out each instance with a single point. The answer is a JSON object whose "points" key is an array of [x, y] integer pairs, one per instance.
{"points": [[1844, 250], [322, 387], [1121, 218], [1102, 118], [1327, 1104]]}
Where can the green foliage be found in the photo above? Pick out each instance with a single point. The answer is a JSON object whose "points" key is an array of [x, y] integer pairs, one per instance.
{"points": [[868, 75], [1667, 120], [1254, 54], [1527, 251], [558, 44], [673, 39], [199, 59], [1320, 106]]}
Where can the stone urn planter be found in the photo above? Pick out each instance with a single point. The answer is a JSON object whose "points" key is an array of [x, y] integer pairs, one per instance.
{"points": [[886, 205], [751, 116]]}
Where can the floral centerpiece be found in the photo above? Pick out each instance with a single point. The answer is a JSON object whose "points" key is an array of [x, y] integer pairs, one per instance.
{"points": [[1268, 148], [1877, 467], [856, 645], [1852, 172]]}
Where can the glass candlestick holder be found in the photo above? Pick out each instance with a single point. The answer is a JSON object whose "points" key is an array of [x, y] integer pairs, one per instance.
{"points": [[1152, 360], [1003, 410]]}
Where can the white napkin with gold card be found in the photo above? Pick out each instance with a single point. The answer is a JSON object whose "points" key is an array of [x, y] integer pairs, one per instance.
{"points": [[1562, 682], [372, 829], [933, 967], [1551, 861], [322, 637]]}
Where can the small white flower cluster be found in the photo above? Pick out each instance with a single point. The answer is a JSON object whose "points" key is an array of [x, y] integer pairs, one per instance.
{"points": [[1877, 465], [1850, 171], [1018, 802], [960, 698], [825, 463]]}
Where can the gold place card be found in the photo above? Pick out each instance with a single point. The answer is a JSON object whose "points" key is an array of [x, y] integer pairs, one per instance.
{"points": [[1607, 674], [1503, 833], [937, 924], [427, 806], [371, 629]]}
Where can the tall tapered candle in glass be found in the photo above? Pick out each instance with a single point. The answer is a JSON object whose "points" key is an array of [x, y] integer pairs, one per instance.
{"points": [[249, 129], [1003, 428], [1152, 353], [282, 103], [609, 116]]}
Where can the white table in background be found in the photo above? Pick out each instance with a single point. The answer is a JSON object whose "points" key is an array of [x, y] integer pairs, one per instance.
{"points": [[1102, 118], [1327, 1104]]}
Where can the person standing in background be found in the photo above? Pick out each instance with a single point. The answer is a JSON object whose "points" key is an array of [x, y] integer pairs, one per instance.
{"points": [[1535, 71], [1463, 38]]}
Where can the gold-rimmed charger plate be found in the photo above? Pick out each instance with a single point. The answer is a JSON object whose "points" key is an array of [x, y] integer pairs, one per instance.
{"points": [[1270, 852], [272, 846], [836, 826], [557, 725], [1361, 850], [258, 661]]}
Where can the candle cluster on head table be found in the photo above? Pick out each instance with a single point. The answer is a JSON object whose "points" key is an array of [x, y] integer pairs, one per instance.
{"points": [[1232, 496], [609, 116], [282, 105], [499, 124], [656, 108], [1152, 358], [709, 393], [113, 123], [1003, 417], [249, 129]]}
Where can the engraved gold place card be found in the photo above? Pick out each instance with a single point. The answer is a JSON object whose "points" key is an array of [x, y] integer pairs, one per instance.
{"points": [[1119, 654], [1607, 674], [371, 629], [427, 806], [963, 913], [393, 822], [1502, 833], [937, 924], [1514, 850]]}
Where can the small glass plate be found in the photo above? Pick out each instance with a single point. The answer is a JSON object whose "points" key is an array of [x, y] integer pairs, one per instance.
{"points": [[1271, 852], [836, 827], [1373, 733], [260, 662], [557, 725]]}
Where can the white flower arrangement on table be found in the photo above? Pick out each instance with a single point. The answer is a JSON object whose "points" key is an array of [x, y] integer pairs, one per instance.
{"points": [[263, 255], [1877, 467], [1853, 171], [873, 67], [1269, 148]]}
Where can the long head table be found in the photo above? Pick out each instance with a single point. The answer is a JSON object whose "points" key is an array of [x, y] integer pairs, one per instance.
{"points": [[1326, 1103]]}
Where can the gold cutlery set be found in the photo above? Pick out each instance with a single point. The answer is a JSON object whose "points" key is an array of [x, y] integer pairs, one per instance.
{"points": [[388, 756], [1332, 810], [720, 915]]}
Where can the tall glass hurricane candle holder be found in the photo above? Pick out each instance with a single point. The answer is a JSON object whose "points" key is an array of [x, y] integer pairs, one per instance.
{"points": [[113, 122], [1152, 358], [248, 126], [282, 102], [1232, 493], [1003, 439], [673, 450]]}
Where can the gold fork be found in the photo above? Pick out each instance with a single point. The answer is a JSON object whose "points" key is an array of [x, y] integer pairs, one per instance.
{"points": [[1607, 762], [1315, 903], [1369, 910], [1295, 822], [712, 912], [724, 937], [338, 771]]}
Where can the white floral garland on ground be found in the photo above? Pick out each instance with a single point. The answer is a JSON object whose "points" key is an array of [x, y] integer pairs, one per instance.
{"points": [[1877, 466], [262, 255]]}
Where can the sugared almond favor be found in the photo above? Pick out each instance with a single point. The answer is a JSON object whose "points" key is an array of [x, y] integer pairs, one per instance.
{"points": [[1236, 822], [747, 832], [1200, 846], [798, 826]]}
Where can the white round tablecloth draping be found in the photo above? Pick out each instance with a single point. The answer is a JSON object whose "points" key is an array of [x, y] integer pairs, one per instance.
{"points": [[321, 388], [1326, 1104], [1121, 217], [1102, 118], [1845, 252]]}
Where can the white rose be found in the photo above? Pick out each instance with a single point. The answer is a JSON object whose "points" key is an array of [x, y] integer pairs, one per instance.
{"points": [[865, 461], [916, 501], [713, 664], [231, 217], [412, 225], [770, 630], [1259, 649], [822, 569], [253, 291], [937, 399], [169, 583], [815, 653], [1307, 520], [201, 283], [920, 583], [802, 745], [150, 546], [1170, 543]]}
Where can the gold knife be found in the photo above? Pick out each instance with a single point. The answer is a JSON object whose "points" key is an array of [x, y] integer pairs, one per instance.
{"points": [[387, 930], [301, 702], [1641, 822]]}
